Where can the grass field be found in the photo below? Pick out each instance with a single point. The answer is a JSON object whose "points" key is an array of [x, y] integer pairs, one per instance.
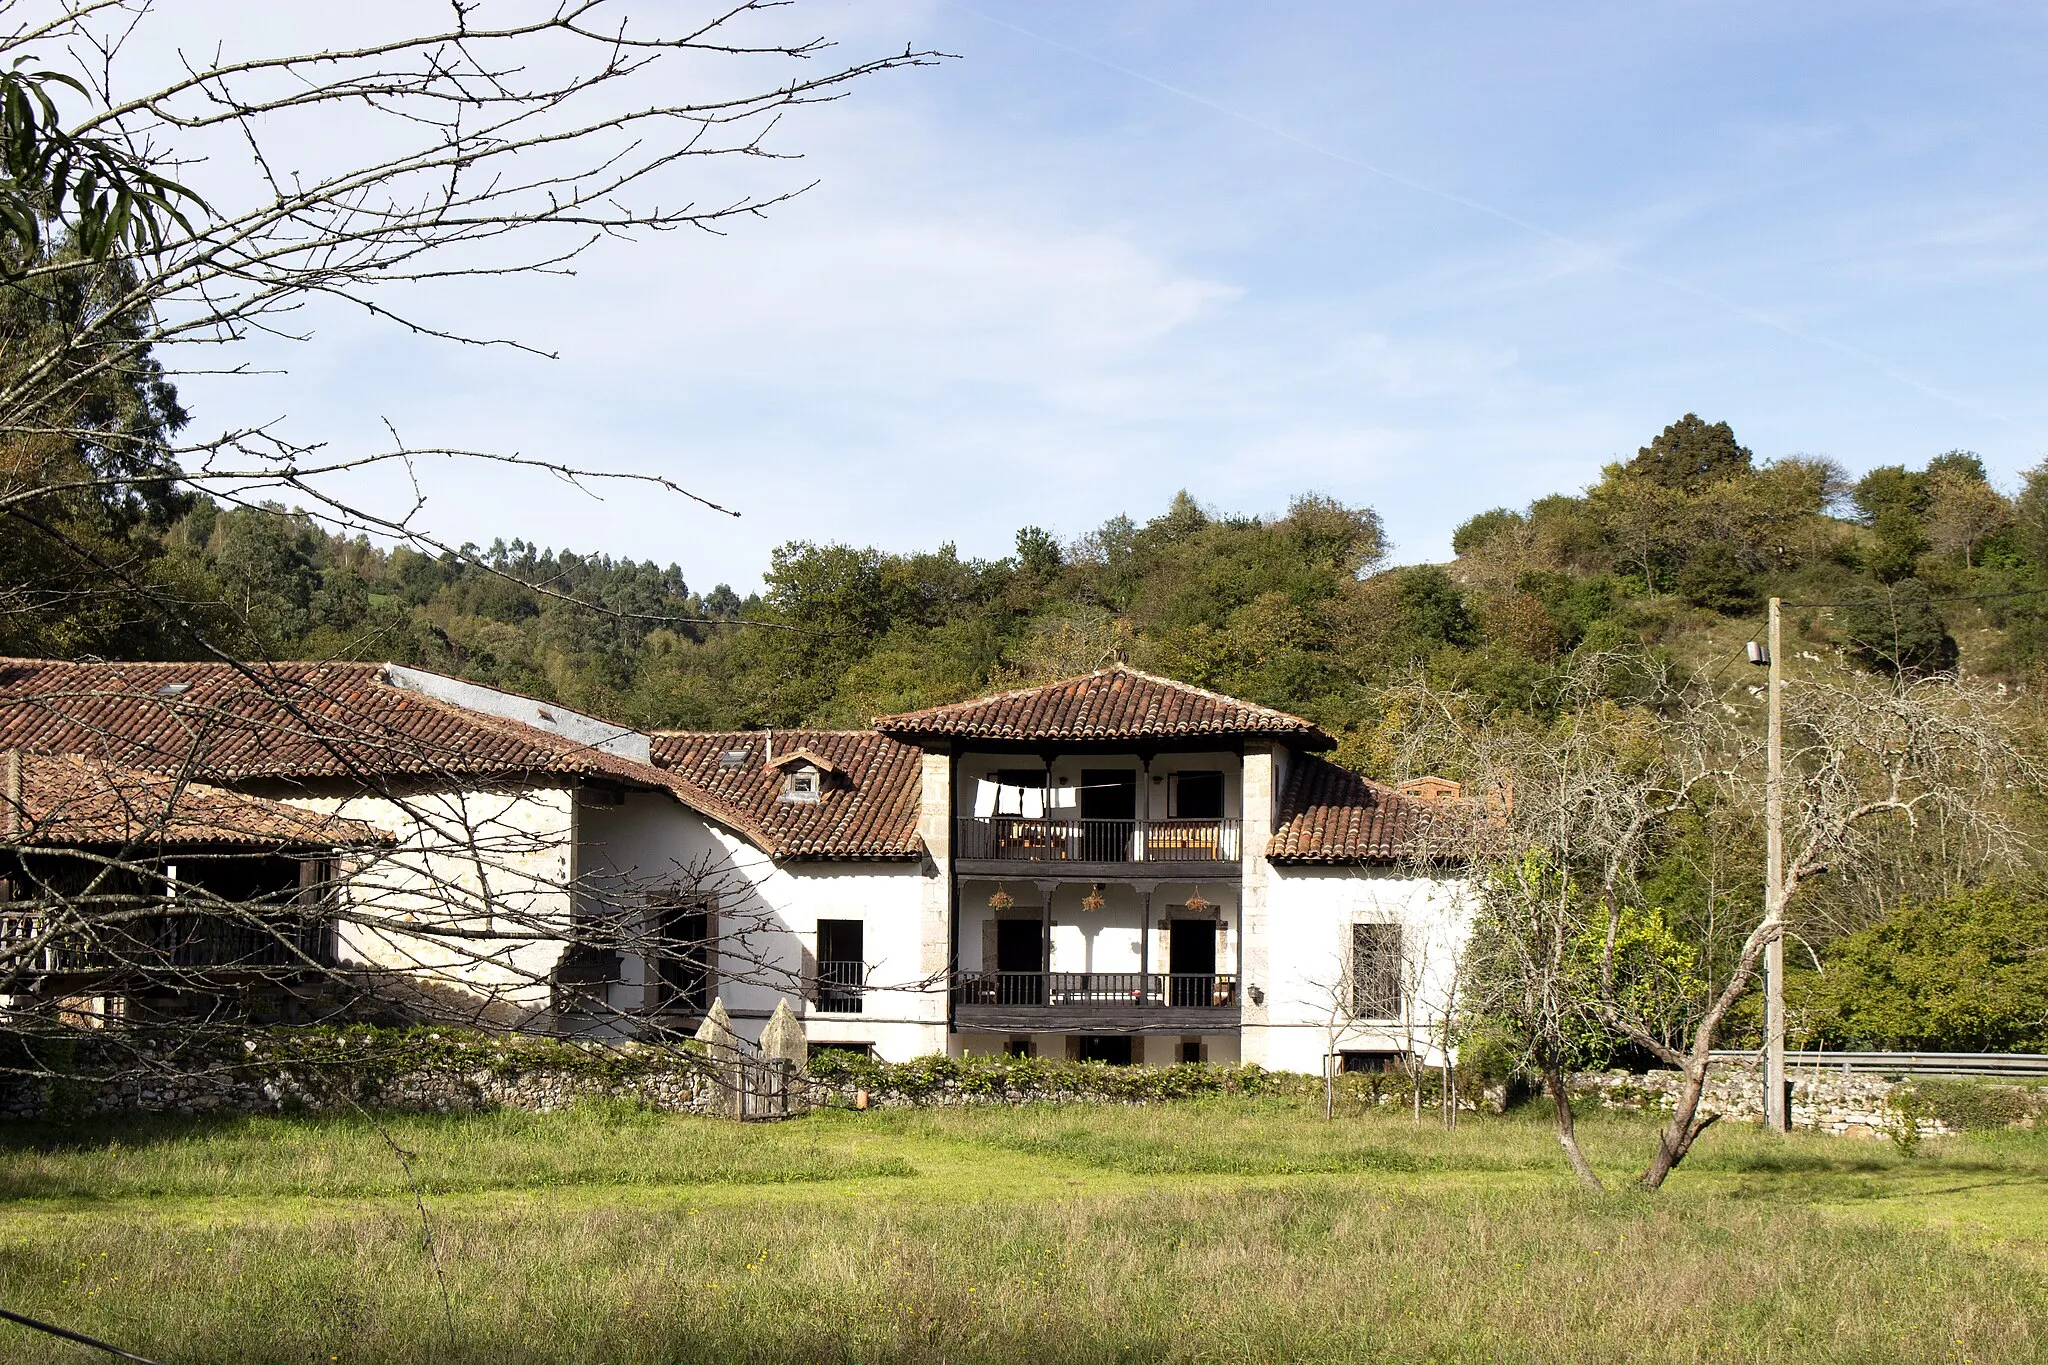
{"points": [[1214, 1230]]}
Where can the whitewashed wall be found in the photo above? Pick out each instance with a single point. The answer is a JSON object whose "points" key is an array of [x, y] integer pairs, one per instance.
{"points": [[1308, 938], [903, 1014], [490, 859]]}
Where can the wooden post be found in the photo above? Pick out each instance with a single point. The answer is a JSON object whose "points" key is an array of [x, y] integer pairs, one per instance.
{"points": [[1777, 1115], [1145, 947]]}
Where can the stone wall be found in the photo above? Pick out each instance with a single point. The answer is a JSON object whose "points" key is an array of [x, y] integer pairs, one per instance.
{"points": [[439, 1078], [1846, 1104]]}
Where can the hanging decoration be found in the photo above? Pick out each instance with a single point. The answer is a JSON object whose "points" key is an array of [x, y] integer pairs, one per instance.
{"points": [[1001, 900], [1197, 905], [1093, 900]]}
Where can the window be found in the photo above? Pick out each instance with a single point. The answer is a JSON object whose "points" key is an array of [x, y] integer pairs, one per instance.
{"points": [[842, 965], [849, 1049], [1370, 1063], [1191, 1051], [1195, 796], [802, 785], [1017, 1047], [684, 954], [1376, 971]]}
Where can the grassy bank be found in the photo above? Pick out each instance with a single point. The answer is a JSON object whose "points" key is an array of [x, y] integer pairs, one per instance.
{"points": [[1215, 1230]]}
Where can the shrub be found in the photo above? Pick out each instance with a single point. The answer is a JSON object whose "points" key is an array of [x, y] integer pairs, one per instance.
{"points": [[1971, 1104], [1964, 974], [927, 1079]]}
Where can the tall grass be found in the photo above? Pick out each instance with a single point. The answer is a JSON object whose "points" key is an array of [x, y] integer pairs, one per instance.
{"points": [[1215, 1231], [603, 1145]]}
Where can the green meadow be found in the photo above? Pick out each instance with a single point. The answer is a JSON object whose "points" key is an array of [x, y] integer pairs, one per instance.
{"points": [[1224, 1230]]}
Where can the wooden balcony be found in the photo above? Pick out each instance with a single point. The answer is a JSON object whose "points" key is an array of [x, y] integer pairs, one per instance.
{"points": [[1193, 845], [1095, 1002], [168, 946]]}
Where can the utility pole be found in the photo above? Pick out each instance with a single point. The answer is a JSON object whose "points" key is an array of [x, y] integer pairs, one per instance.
{"points": [[1777, 1115]]}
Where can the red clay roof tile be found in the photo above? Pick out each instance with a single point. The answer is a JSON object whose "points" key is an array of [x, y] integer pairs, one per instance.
{"points": [[1330, 814], [67, 801], [1116, 703], [300, 721], [868, 812]]}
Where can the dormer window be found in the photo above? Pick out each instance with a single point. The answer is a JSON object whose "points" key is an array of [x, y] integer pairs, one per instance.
{"points": [[805, 775]]}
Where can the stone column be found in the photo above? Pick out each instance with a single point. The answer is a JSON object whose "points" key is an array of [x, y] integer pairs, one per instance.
{"points": [[722, 1051], [935, 930], [1259, 805], [785, 1051]]}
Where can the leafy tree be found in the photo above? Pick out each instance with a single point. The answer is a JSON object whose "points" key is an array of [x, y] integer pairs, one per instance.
{"points": [[1889, 488], [1963, 510], [1646, 521], [2030, 515], [1715, 578], [1965, 974], [1432, 609], [1899, 542], [1690, 455], [1898, 630], [87, 493], [1038, 552], [1481, 530]]}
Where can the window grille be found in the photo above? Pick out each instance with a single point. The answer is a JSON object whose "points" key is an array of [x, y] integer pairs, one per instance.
{"points": [[1376, 971]]}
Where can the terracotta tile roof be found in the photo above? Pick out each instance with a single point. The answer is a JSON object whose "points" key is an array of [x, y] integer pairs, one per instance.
{"points": [[868, 811], [1115, 703], [295, 721], [66, 801], [1330, 814]]}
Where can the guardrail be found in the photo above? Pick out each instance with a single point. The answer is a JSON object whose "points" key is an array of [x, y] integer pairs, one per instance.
{"points": [[2015, 1064]]}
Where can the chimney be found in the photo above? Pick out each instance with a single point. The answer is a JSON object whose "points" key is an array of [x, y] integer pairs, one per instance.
{"points": [[769, 757]]}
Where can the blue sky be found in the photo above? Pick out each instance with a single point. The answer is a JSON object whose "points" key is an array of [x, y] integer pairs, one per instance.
{"points": [[1428, 258]]}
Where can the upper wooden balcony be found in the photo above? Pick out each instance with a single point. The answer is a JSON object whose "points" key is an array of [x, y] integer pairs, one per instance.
{"points": [[169, 947], [997, 842]]}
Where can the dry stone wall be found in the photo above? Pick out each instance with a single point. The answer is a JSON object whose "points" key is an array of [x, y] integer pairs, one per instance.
{"points": [[440, 1076], [1845, 1104]]}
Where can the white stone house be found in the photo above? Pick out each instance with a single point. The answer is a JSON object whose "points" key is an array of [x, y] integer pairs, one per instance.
{"points": [[1114, 866]]}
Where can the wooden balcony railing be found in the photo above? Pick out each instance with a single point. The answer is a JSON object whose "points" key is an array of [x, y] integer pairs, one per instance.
{"points": [[1081, 992], [170, 943], [839, 987], [1010, 837]]}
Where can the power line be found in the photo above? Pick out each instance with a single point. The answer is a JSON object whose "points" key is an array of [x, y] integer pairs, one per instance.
{"points": [[1930, 601]]}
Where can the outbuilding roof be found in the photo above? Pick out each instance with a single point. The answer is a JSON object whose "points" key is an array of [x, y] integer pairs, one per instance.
{"points": [[868, 812], [1114, 703], [230, 723], [1330, 814], [69, 801]]}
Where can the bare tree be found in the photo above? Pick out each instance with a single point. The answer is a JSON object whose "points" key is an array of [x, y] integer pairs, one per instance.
{"points": [[490, 142], [1565, 950], [474, 142]]}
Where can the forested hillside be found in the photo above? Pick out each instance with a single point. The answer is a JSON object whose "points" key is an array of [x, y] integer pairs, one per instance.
{"points": [[1674, 549], [1670, 553]]}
